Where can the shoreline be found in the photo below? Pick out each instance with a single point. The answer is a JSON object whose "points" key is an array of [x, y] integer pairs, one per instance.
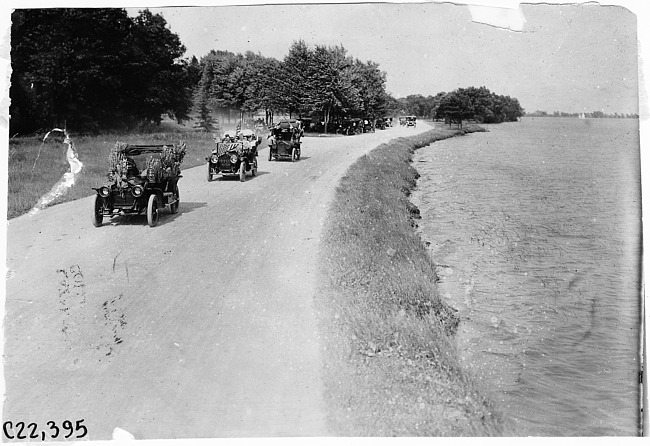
{"points": [[391, 367]]}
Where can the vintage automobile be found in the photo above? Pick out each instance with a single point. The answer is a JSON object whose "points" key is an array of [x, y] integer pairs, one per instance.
{"points": [[380, 124], [411, 121], [284, 140], [368, 126], [233, 157], [141, 178], [388, 121], [352, 126]]}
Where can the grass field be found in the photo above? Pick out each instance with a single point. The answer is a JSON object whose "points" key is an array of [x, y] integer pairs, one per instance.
{"points": [[391, 362]]}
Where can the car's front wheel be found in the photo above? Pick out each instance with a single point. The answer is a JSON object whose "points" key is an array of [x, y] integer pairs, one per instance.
{"points": [[242, 171], [97, 217], [152, 210], [293, 155], [254, 167], [209, 172]]}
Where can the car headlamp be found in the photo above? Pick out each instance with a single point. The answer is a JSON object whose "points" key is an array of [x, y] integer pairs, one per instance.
{"points": [[104, 191], [233, 158], [137, 191], [214, 159]]}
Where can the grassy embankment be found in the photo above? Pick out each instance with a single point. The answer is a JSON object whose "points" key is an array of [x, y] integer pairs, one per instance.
{"points": [[34, 167], [391, 362]]}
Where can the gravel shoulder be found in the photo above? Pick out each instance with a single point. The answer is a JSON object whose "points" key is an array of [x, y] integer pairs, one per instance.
{"points": [[201, 327]]}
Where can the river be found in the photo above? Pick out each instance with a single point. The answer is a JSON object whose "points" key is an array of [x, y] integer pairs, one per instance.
{"points": [[535, 227]]}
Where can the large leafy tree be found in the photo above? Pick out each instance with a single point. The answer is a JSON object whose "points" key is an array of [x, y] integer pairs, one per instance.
{"points": [[476, 103], [456, 107], [332, 88], [371, 84], [94, 69], [319, 80], [158, 80], [66, 66], [294, 83]]}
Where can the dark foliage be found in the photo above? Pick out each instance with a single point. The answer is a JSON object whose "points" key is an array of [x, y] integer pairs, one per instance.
{"points": [[478, 104], [95, 69]]}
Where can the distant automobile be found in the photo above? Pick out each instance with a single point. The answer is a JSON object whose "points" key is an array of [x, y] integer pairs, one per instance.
{"points": [[284, 140], [234, 155], [368, 126]]}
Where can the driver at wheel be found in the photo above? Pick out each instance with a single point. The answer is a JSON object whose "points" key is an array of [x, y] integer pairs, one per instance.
{"points": [[129, 167]]}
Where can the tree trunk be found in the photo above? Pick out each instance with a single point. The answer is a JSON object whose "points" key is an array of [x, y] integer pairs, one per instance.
{"points": [[327, 118]]}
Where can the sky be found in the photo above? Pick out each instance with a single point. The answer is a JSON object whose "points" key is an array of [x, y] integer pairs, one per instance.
{"points": [[571, 57], [566, 57]]}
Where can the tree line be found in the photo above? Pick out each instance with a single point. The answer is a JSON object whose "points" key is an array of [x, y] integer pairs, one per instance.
{"points": [[471, 103], [99, 69], [322, 82]]}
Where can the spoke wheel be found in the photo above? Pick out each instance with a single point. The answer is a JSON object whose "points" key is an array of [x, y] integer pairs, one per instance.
{"points": [[254, 168], [97, 217], [293, 155], [209, 172], [152, 210]]}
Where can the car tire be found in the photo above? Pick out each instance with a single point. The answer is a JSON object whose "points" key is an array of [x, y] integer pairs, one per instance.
{"points": [[97, 217], [152, 210], [242, 171], [174, 206], [293, 155], [254, 168], [270, 154], [209, 173]]}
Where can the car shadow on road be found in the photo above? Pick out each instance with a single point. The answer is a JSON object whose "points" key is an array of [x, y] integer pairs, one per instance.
{"points": [[249, 177], [164, 215], [185, 208], [302, 158]]}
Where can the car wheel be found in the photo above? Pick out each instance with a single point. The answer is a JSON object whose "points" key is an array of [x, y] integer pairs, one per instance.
{"points": [[293, 155], [298, 154], [152, 210], [242, 171], [209, 173], [254, 168], [174, 206], [97, 216]]}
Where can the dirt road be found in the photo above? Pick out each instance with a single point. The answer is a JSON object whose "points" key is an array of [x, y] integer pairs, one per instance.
{"points": [[201, 327]]}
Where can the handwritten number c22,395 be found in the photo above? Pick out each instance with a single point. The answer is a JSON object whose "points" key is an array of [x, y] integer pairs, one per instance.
{"points": [[20, 430]]}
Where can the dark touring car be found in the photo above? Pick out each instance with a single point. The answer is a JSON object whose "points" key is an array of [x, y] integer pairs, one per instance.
{"points": [[141, 178]]}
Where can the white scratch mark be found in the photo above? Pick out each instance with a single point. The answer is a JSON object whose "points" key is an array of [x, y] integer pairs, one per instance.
{"points": [[68, 178]]}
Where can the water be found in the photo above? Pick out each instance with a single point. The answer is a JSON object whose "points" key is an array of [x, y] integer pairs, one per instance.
{"points": [[536, 231]]}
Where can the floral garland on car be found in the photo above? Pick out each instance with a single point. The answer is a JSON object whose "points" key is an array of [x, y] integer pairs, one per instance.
{"points": [[158, 167]]}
